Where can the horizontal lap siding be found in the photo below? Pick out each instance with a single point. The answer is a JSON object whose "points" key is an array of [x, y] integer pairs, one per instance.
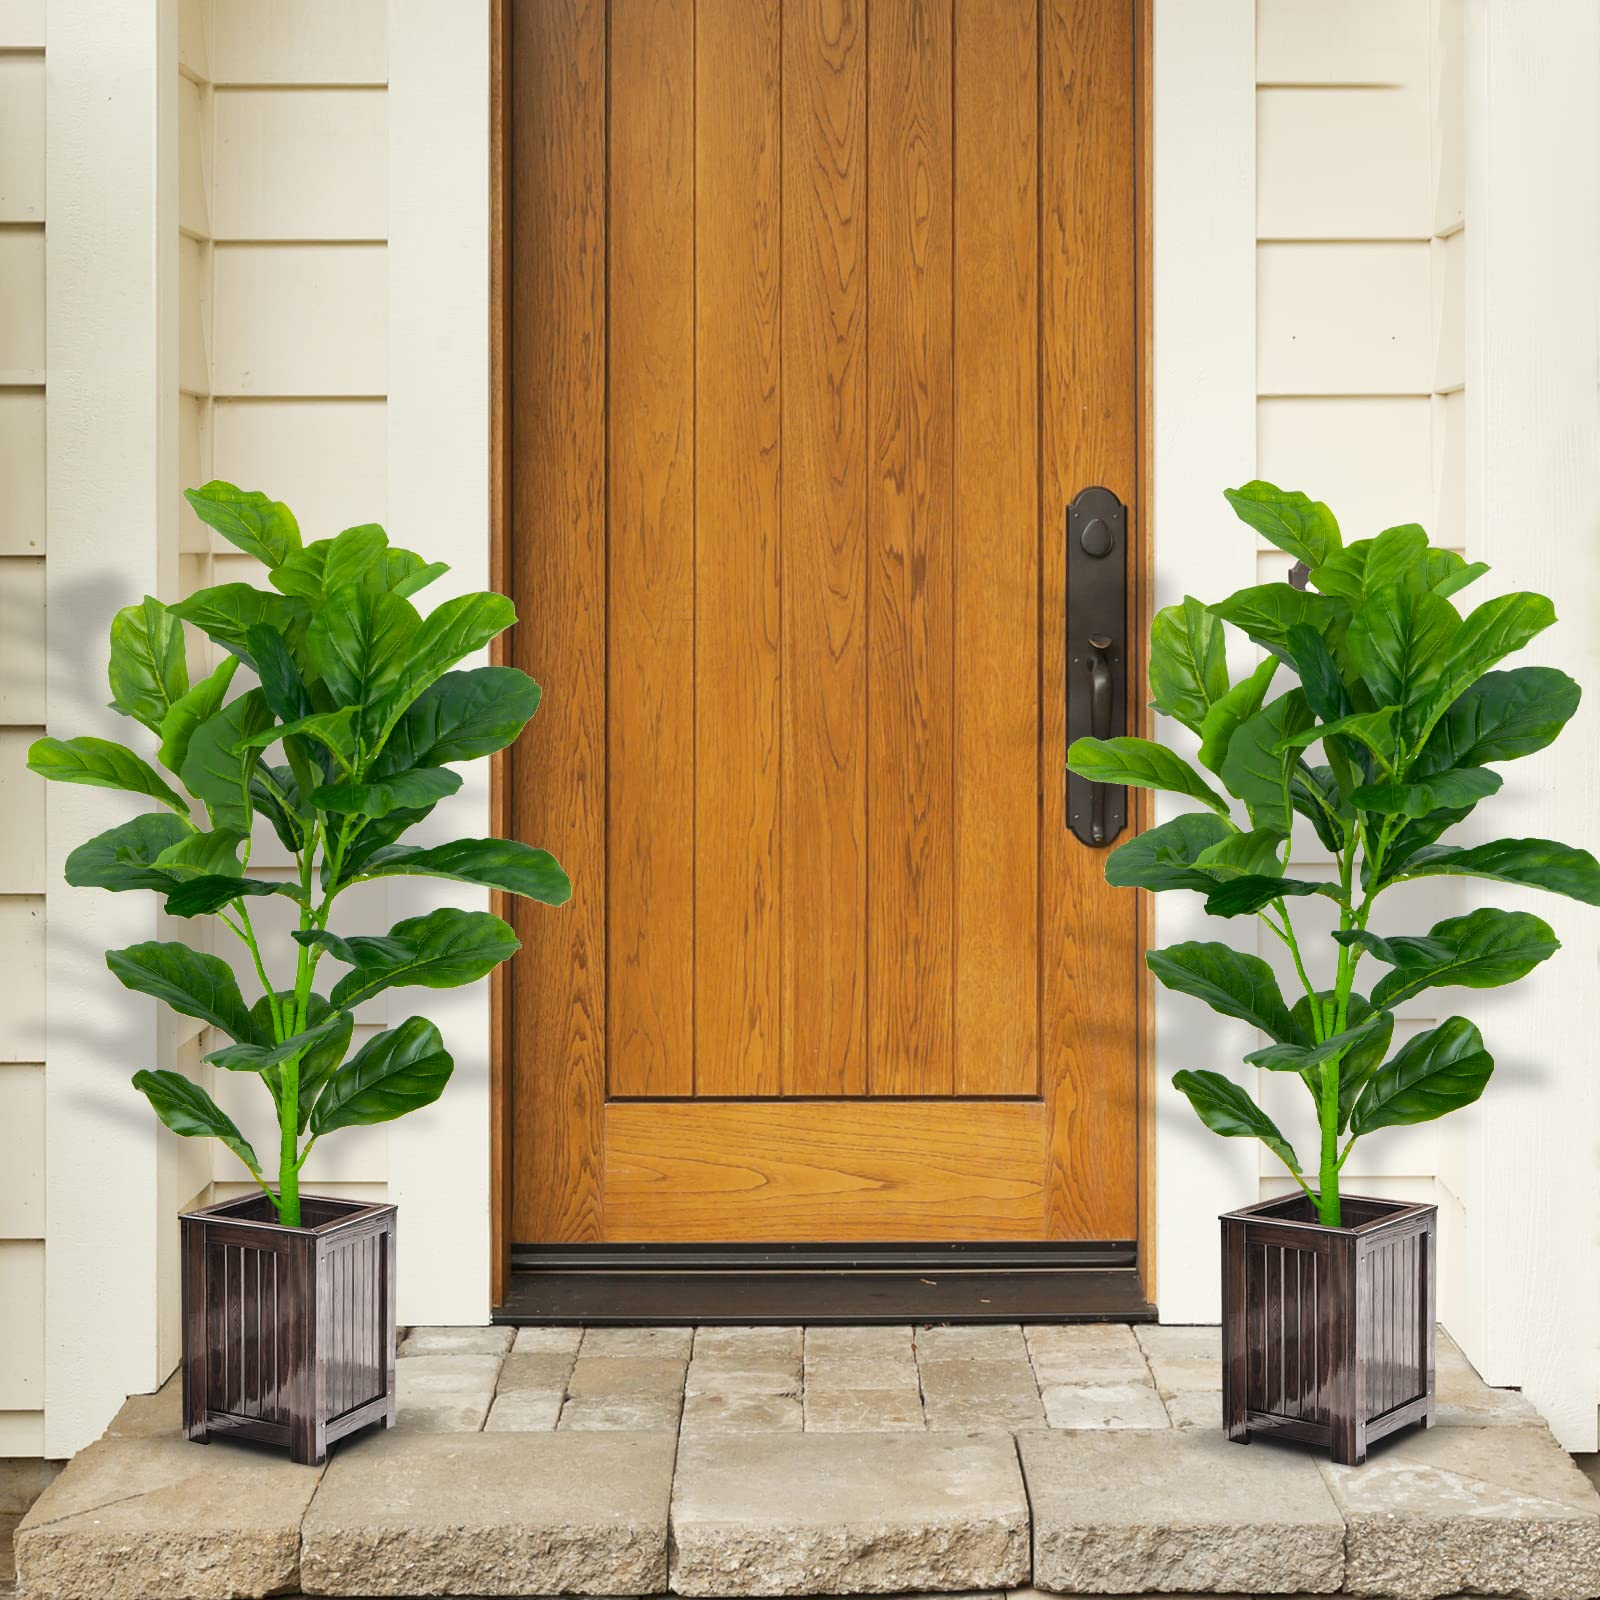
{"points": [[283, 318], [1359, 367], [22, 715]]}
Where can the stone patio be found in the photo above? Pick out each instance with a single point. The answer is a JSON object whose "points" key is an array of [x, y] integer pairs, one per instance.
{"points": [[829, 1460]]}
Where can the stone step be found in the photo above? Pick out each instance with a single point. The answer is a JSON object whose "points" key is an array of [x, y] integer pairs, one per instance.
{"points": [[848, 1513]]}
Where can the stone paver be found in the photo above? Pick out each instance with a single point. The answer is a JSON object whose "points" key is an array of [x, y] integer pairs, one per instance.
{"points": [[735, 1412], [981, 1394], [444, 1393], [492, 1514], [755, 1346], [524, 1411], [835, 1343], [149, 1416], [975, 1342], [658, 1343], [1183, 1360], [457, 1341], [629, 1393], [722, 1376], [897, 1410], [1495, 1510], [547, 1341], [161, 1518], [1465, 1400], [847, 1513], [862, 1372], [1133, 1510], [1104, 1405], [1086, 1353]]}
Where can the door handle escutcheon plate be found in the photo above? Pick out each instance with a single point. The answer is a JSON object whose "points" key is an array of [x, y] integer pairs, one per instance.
{"points": [[1097, 657]]}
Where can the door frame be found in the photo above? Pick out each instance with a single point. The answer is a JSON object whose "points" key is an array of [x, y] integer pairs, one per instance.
{"points": [[1140, 610]]}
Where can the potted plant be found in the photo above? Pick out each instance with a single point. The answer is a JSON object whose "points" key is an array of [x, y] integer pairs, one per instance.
{"points": [[288, 1300], [1328, 1300]]}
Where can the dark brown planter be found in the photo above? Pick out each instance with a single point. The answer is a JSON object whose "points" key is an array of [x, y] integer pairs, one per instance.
{"points": [[288, 1333], [1327, 1333]]}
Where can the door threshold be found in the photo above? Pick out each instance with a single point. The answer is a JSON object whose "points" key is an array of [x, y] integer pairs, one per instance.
{"points": [[623, 1296]]}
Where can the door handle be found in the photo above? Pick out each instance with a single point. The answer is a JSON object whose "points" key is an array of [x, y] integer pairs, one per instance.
{"points": [[1097, 657]]}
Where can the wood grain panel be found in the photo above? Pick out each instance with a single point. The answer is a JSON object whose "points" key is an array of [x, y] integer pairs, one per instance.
{"points": [[651, 840], [997, 687], [1088, 394], [910, 826], [737, 647], [825, 545], [558, 507], [834, 1169]]}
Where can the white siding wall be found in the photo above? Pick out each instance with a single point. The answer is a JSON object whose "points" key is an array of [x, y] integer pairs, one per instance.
{"points": [[1359, 323], [22, 714], [320, 318], [284, 312]]}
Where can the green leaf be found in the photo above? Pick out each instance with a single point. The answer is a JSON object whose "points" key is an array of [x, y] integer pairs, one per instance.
{"points": [[1363, 1057], [1314, 793], [1292, 521], [1374, 729], [190, 981], [275, 792], [199, 897], [229, 611], [149, 671], [1225, 1108], [1444, 791], [1256, 772], [1502, 716], [331, 729], [1537, 863], [441, 950], [1319, 673], [280, 678], [103, 765], [406, 573], [1239, 855], [318, 1062], [354, 556], [452, 630], [400, 1070], [1229, 981], [1344, 574], [124, 857], [258, 525], [375, 835], [219, 764], [405, 791], [1434, 1073], [1246, 896], [199, 855], [187, 712], [1459, 577], [1488, 634], [188, 1110], [1163, 857], [519, 868], [1482, 950], [1268, 611], [462, 716], [1397, 642], [1142, 764], [258, 1057], [361, 641], [1229, 713], [1188, 662], [1413, 837], [1304, 1057], [1398, 556]]}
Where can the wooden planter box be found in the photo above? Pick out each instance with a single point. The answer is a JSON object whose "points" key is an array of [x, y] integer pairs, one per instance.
{"points": [[288, 1333], [1328, 1333]]}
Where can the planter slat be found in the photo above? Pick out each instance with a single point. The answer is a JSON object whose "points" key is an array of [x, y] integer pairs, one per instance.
{"points": [[289, 1333], [1328, 1333]]}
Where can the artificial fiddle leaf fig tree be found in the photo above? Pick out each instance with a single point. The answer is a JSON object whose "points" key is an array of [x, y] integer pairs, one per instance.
{"points": [[334, 667], [1368, 657]]}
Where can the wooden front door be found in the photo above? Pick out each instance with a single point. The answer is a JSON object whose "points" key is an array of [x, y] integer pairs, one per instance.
{"points": [[820, 314]]}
